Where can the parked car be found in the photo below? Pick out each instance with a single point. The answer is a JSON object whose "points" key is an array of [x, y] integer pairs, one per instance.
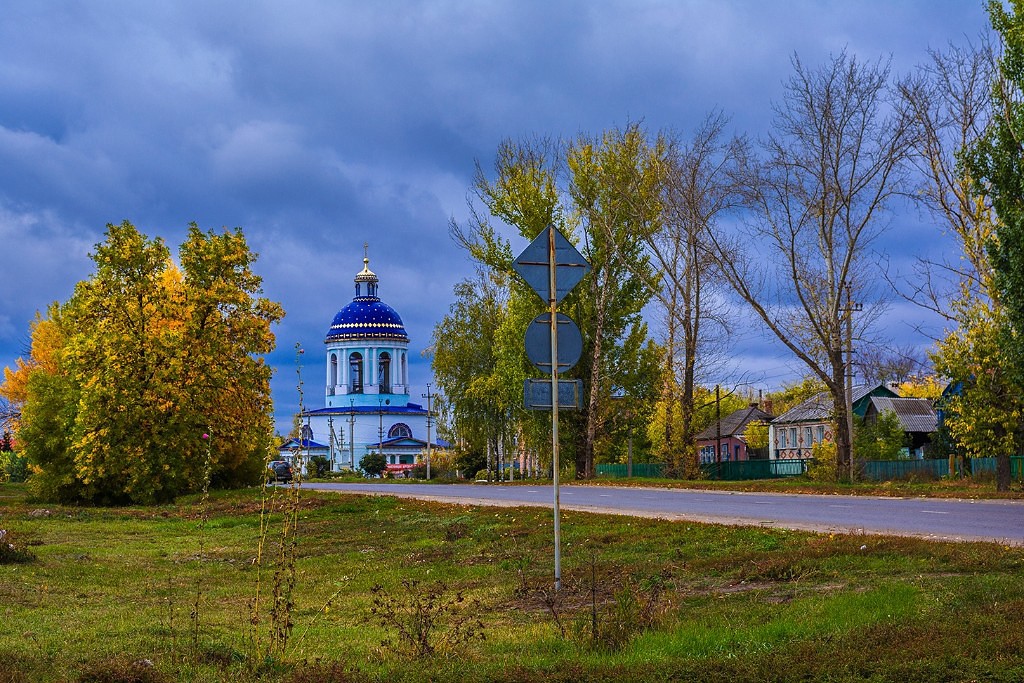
{"points": [[279, 471]]}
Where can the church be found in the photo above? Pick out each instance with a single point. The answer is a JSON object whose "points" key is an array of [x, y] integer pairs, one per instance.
{"points": [[366, 400]]}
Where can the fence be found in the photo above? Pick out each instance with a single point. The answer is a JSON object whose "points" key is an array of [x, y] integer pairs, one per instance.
{"points": [[872, 470], [646, 470], [738, 470], [887, 470]]}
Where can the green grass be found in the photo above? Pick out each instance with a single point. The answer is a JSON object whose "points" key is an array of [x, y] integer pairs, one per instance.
{"points": [[110, 587]]}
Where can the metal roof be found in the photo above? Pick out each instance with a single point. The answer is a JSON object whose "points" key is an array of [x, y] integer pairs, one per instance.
{"points": [[734, 423], [818, 408], [915, 414]]}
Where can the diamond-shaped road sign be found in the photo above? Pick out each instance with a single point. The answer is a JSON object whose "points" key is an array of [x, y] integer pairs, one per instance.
{"points": [[532, 265]]}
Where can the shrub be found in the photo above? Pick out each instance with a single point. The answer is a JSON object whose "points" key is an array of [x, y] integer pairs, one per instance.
{"points": [[373, 464], [822, 466], [482, 475], [122, 670], [426, 619], [12, 551], [318, 466]]}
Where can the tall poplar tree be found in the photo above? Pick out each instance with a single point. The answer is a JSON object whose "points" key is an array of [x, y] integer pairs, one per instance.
{"points": [[602, 193]]}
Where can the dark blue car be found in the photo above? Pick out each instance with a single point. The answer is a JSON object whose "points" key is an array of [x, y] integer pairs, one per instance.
{"points": [[279, 471]]}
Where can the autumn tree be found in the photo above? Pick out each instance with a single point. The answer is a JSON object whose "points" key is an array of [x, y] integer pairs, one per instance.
{"points": [[148, 359], [817, 197], [994, 163], [950, 99]]}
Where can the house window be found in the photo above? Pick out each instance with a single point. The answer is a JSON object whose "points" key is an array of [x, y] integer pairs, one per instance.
{"points": [[792, 437], [355, 369], [782, 438], [399, 431], [808, 436], [821, 433]]}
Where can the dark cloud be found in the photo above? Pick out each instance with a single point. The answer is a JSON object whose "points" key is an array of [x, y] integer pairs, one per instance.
{"points": [[320, 125]]}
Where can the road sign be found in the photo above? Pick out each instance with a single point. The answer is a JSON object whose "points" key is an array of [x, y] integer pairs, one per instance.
{"points": [[538, 342], [552, 267], [537, 394], [532, 265]]}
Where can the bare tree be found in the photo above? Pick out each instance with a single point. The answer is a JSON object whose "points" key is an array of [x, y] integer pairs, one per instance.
{"points": [[949, 98], [699, 189], [818, 198], [698, 186], [890, 364]]}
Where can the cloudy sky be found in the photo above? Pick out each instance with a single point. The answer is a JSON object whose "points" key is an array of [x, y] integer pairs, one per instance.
{"points": [[318, 125]]}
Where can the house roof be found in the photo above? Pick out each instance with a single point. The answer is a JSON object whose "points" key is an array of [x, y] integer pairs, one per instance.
{"points": [[819, 407], [915, 414], [734, 423]]}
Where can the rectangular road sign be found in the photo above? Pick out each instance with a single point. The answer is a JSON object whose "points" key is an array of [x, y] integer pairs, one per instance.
{"points": [[537, 394]]}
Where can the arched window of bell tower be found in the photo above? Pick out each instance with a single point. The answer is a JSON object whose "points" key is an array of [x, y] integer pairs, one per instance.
{"points": [[333, 380], [355, 366], [384, 372]]}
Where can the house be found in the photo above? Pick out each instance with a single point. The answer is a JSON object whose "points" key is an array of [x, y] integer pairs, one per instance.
{"points": [[727, 436], [917, 418], [793, 434]]}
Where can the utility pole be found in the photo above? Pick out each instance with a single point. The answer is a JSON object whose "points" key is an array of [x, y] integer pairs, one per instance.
{"points": [[380, 426], [330, 438], [849, 311], [718, 427], [428, 396], [352, 434]]}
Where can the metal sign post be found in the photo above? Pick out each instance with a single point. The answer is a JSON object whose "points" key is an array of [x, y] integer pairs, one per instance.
{"points": [[538, 265], [553, 305]]}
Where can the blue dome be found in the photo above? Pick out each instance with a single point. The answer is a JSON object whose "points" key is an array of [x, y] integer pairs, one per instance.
{"points": [[367, 318]]}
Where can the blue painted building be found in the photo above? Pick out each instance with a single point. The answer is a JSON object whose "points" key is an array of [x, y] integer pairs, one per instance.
{"points": [[366, 404]]}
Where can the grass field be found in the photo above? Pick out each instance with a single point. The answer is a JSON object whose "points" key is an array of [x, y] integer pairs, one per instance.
{"points": [[167, 594]]}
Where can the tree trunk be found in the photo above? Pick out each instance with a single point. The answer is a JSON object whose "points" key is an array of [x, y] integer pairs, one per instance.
{"points": [[586, 459], [1003, 472]]}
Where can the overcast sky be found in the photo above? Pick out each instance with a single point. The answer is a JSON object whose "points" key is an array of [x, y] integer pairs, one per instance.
{"points": [[317, 126]]}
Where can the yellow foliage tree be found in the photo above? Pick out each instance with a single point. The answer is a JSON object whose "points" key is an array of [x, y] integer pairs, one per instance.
{"points": [[156, 380]]}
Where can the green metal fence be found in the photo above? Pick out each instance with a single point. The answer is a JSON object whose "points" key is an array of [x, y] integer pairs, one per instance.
{"points": [[647, 470], [872, 470], [888, 470], [737, 470]]}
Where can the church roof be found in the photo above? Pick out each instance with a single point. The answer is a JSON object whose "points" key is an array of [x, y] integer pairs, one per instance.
{"points": [[407, 409], [367, 317]]}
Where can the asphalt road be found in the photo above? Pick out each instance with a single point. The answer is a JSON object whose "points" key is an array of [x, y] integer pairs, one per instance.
{"points": [[962, 520]]}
